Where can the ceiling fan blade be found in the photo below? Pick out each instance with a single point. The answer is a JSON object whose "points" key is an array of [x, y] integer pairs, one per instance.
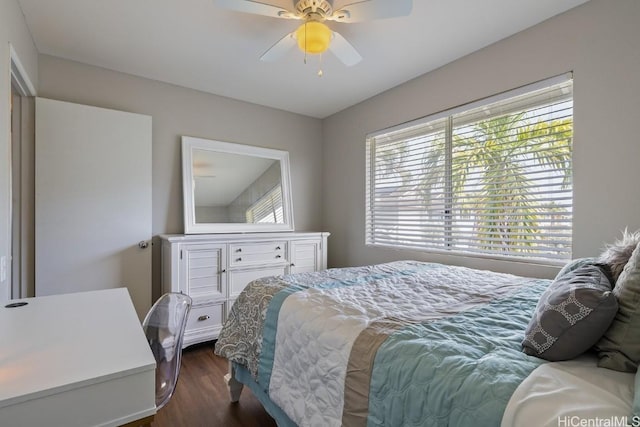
{"points": [[255, 7], [278, 50], [344, 50], [368, 10]]}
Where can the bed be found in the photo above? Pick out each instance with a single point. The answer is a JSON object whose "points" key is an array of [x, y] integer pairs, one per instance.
{"points": [[408, 344]]}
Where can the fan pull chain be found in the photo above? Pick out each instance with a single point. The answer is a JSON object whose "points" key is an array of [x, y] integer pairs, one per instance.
{"points": [[305, 42], [320, 73]]}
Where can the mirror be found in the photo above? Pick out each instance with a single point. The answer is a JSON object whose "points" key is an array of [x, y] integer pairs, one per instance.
{"points": [[231, 188]]}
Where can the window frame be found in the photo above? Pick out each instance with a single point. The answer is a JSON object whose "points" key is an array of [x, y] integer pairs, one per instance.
{"points": [[449, 116]]}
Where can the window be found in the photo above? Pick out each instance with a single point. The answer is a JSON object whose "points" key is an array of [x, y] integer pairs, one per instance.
{"points": [[268, 209], [491, 178]]}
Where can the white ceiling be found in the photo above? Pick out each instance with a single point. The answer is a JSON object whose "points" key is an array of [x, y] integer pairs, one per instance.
{"points": [[194, 44]]}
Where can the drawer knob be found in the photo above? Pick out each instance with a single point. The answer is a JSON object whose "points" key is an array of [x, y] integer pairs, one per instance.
{"points": [[278, 256], [238, 259], [277, 248], [224, 270], [203, 318], [239, 250], [293, 265]]}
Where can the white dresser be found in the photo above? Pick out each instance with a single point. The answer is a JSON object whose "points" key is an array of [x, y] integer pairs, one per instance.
{"points": [[214, 268]]}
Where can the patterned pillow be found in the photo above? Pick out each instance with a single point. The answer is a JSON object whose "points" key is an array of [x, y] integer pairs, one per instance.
{"points": [[573, 264], [572, 314], [619, 348]]}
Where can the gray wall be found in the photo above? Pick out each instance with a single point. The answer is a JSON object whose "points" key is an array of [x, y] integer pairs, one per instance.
{"points": [[14, 31], [599, 42], [178, 111]]}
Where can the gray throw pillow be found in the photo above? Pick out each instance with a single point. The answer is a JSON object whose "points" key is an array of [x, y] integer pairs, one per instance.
{"points": [[573, 264], [572, 314], [619, 348]]}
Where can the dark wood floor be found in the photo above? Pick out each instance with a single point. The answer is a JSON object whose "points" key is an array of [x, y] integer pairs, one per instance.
{"points": [[201, 398]]}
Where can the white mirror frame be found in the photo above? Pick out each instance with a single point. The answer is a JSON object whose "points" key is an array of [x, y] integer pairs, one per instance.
{"points": [[190, 224]]}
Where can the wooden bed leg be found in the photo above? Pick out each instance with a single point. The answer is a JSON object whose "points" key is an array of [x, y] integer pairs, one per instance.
{"points": [[235, 386]]}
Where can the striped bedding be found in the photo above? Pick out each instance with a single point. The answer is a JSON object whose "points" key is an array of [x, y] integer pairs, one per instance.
{"points": [[398, 344]]}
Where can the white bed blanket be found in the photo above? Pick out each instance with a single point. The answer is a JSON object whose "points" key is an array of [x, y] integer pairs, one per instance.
{"points": [[574, 393]]}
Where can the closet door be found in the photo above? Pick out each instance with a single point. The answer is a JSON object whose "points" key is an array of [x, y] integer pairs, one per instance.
{"points": [[92, 201]]}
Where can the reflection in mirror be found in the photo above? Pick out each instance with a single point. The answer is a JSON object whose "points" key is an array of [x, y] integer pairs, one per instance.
{"points": [[235, 188]]}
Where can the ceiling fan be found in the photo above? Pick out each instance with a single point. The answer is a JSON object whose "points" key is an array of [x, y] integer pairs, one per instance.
{"points": [[314, 36]]}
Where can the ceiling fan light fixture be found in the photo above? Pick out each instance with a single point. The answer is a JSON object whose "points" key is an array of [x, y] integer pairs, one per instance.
{"points": [[313, 37]]}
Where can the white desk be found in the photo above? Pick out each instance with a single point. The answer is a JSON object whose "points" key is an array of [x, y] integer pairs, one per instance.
{"points": [[75, 360]]}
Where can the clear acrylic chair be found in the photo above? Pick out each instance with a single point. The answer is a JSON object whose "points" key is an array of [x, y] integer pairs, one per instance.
{"points": [[164, 327]]}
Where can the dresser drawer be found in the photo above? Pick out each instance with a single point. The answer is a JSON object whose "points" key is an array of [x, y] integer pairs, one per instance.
{"points": [[206, 316], [257, 253], [238, 279]]}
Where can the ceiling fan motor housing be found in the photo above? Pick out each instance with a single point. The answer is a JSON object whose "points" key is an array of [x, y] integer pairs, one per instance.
{"points": [[315, 7]]}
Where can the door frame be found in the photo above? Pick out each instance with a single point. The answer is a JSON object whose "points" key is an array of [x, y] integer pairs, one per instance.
{"points": [[20, 248]]}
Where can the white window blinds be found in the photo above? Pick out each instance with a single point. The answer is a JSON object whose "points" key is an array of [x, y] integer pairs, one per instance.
{"points": [[491, 178], [268, 209]]}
